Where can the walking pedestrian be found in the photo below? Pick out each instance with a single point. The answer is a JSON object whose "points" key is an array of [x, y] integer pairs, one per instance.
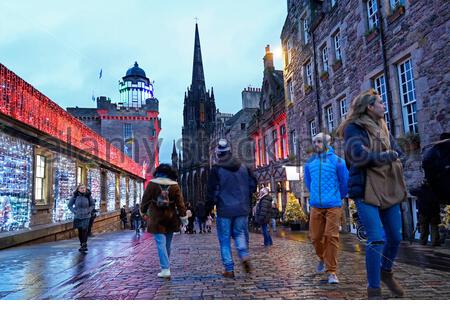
{"points": [[201, 216], [230, 186], [163, 203], [209, 222], [326, 178], [191, 220], [263, 214], [137, 219], [273, 220], [376, 185], [81, 205], [123, 217]]}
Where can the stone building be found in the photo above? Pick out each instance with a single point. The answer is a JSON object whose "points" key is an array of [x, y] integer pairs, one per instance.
{"points": [[199, 116], [334, 49], [234, 128], [132, 125], [268, 130]]}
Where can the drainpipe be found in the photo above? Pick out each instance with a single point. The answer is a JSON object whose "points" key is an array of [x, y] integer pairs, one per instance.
{"points": [[386, 68], [316, 80]]}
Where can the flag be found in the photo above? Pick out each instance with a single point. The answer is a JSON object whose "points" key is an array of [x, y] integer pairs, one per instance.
{"points": [[101, 73]]}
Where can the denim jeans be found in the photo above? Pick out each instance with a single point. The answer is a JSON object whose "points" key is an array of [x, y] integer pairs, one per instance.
{"points": [[380, 250], [163, 242], [266, 234], [137, 225], [232, 227], [273, 224]]}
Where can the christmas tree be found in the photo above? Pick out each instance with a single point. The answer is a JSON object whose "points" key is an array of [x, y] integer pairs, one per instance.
{"points": [[294, 212]]}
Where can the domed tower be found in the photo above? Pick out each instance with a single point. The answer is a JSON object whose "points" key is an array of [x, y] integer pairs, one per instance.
{"points": [[135, 88]]}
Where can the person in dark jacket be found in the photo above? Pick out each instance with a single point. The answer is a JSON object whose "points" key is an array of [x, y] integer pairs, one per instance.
{"points": [[326, 178], [137, 219], [123, 217], [230, 187], [191, 220], [81, 205], [201, 216], [429, 213], [264, 213], [369, 148], [163, 203]]}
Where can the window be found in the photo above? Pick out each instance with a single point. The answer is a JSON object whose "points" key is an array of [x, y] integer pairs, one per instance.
{"points": [[395, 3], [40, 192], [290, 91], [330, 118], [305, 26], [294, 141], [380, 86], [283, 146], [128, 139], [266, 150], [242, 126], [343, 107], [134, 95], [80, 175], [408, 96], [333, 2], [260, 151], [313, 128], [275, 144], [288, 52], [325, 59], [337, 46], [372, 11], [308, 74]]}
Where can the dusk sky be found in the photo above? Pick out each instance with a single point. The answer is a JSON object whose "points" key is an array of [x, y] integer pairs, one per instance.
{"points": [[59, 47]]}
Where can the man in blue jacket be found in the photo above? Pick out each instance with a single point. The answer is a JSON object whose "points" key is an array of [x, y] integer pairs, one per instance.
{"points": [[230, 187], [326, 178]]}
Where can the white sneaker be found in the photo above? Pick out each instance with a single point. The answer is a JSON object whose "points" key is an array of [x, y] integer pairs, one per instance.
{"points": [[320, 267], [332, 279], [165, 273]]}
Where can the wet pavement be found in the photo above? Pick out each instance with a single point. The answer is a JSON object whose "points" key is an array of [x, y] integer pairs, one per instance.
{"points": [[121, 266]]}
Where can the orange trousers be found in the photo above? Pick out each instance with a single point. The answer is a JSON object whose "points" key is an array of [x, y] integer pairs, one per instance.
{"points": [[324, 233]]}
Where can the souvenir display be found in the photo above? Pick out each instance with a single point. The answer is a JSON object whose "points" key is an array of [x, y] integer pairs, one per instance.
{"points": [[64, 186], [123, 191], [16, 158], [110, 191], [94, 185], [132, 193]]}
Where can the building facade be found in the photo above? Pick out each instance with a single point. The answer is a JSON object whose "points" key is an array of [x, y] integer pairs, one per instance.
{"points": [[268, 130], [199, 116], [44, 154], [334, 49], [132, 124]]}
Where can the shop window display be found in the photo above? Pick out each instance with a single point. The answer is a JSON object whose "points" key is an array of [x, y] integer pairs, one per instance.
{"points": [[132, 193], [16, 158], [64, 186], [123, 191], [110, 191], [93, 182]]}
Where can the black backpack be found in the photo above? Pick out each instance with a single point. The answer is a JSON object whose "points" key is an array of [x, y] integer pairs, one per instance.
{"points": [[163, 201]]}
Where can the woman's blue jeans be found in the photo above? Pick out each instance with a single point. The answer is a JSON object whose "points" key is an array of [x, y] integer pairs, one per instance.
{"points": [[266, 234], [227, 228], [380, 250], [163, 242]]}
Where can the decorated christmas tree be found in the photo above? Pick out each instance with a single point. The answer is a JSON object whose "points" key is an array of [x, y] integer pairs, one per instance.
{"points": [[294, 212]]}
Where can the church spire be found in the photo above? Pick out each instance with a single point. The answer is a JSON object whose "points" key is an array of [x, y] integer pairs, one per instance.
{"points": [[198, 77]]}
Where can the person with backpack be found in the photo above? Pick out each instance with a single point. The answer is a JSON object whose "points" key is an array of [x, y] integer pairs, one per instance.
{"points": [[82, 205], [376, 185], [230, 187], [163, 204], [137, 219], [326, 178], [264, 214]]}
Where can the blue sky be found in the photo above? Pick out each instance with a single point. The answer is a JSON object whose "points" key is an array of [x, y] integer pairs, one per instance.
{"points": [[60, 46]]}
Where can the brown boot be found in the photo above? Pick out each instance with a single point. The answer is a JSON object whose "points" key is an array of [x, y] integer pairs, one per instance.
{"points": [[387, 277], [247, 266], [228, 274], [374, 294]]}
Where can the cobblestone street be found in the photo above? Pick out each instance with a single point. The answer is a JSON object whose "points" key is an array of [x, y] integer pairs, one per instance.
{"points": [[120, 266]]}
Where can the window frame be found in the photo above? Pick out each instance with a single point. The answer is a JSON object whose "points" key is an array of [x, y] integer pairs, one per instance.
{"points": [[372, 14], [329, 114], [380, 87], [41, 182], [337, 46], [325, 62], [312, 129], [343, 114], [409, 106]]}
